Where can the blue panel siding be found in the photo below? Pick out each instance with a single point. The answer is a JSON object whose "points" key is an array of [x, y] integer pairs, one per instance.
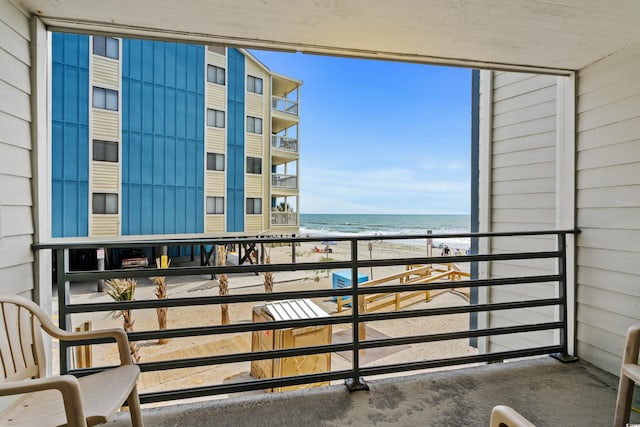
{"points": [[158, 109], [158, 206], [235, 141], [158, 159], [70, 135], [163, 150]]}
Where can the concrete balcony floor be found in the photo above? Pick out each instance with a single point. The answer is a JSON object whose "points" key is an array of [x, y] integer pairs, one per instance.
{"points": [[546, 391]]}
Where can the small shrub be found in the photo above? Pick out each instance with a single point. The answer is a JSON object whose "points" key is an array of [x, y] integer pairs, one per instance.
{"points": [[124, 290]]}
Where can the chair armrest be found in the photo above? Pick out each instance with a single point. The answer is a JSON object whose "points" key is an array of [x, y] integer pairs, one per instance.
{"points": [[117, 333], [67, 385], [52, 329], [38, 384], [503, 415]]}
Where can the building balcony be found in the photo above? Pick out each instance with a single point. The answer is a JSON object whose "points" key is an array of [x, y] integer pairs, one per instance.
{"points": [[289, 182], [284, 218], [285, 99], [545, 390], [284, 105], [284, 143]]}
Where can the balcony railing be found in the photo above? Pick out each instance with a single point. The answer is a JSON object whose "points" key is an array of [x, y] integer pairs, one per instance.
{"points": [[284, 143], [284, 218], [285, 105], [357, 260], [279, 180]]}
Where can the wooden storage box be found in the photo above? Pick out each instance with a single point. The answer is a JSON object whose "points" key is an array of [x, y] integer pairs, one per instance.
{"points": [[290, 338]]}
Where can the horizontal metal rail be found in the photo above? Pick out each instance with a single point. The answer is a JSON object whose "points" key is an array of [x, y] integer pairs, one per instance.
{"points": [[439, 363], [331, 348], [278, 296], [212, 390], [302, 266], [133, 242], [355, 318]]}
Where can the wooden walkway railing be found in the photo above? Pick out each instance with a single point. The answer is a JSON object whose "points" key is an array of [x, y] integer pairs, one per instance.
{"points": [[414, 274]]}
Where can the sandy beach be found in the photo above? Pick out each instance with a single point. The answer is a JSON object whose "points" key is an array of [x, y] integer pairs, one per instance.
{"points": [[196, 286]]}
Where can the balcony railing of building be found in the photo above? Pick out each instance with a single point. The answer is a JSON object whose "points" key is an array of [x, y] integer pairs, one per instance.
{"points": [[284, 143], [359, 259], [279, 180], [284, 218], [284, 105]]}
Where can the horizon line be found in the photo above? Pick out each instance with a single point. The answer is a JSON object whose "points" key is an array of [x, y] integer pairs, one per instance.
{"points": [[378, 213]]}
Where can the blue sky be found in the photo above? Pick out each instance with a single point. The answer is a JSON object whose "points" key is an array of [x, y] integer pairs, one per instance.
{"points": [[380, 136]]}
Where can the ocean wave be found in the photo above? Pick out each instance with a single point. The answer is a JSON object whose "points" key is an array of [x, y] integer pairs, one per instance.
{"points": [[462, 243], [354, 225]]}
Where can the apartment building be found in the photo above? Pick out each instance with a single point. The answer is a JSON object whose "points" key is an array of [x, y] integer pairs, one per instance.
{"points": [[159, 138]]}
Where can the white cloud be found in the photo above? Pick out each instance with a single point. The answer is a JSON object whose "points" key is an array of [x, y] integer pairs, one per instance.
{"points": [[393, 190], [444, 165]]}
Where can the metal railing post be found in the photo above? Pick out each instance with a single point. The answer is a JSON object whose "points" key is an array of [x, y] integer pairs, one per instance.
{"points": [[562, 270], [355, 383], [562, 294], [64, 318]]}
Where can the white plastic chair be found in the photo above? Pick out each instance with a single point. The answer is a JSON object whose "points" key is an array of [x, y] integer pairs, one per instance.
{"points": [[63, 400], [505, 416], [629, 375]]}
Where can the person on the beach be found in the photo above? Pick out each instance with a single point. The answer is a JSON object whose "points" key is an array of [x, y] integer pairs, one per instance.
{"points": [[446, 251]]}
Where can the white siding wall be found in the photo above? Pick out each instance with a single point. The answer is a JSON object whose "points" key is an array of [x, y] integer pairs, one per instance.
{"points": [[266, 157], [215, 142], [258, 146], [254, 145], [253, 185], [253, 223], [106, 72], [16, 219], [216, 96], [105, 225], [104, 124], [215, 139], [215, 183], [523, 194], [105, 177], [214, 224], [254, 104], [608, 206]]}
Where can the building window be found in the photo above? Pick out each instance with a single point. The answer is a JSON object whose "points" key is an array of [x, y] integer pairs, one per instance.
{"points": [[254, 84], [254, 206], [215, 118], [106, 46], [107, 99], [254, 165], [215, 162], [215, 205], [105, 151], [105, 203], [215, 74], [254, 125]]}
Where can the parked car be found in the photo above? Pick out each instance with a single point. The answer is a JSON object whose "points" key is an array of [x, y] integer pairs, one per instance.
{"points": [[131, 258]]}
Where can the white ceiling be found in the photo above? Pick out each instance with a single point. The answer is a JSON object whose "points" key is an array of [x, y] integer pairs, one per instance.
{"points": [[549, 35]]}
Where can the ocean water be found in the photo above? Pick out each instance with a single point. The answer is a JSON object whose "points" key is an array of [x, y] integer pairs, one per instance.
{"points": [[364, 224]]}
